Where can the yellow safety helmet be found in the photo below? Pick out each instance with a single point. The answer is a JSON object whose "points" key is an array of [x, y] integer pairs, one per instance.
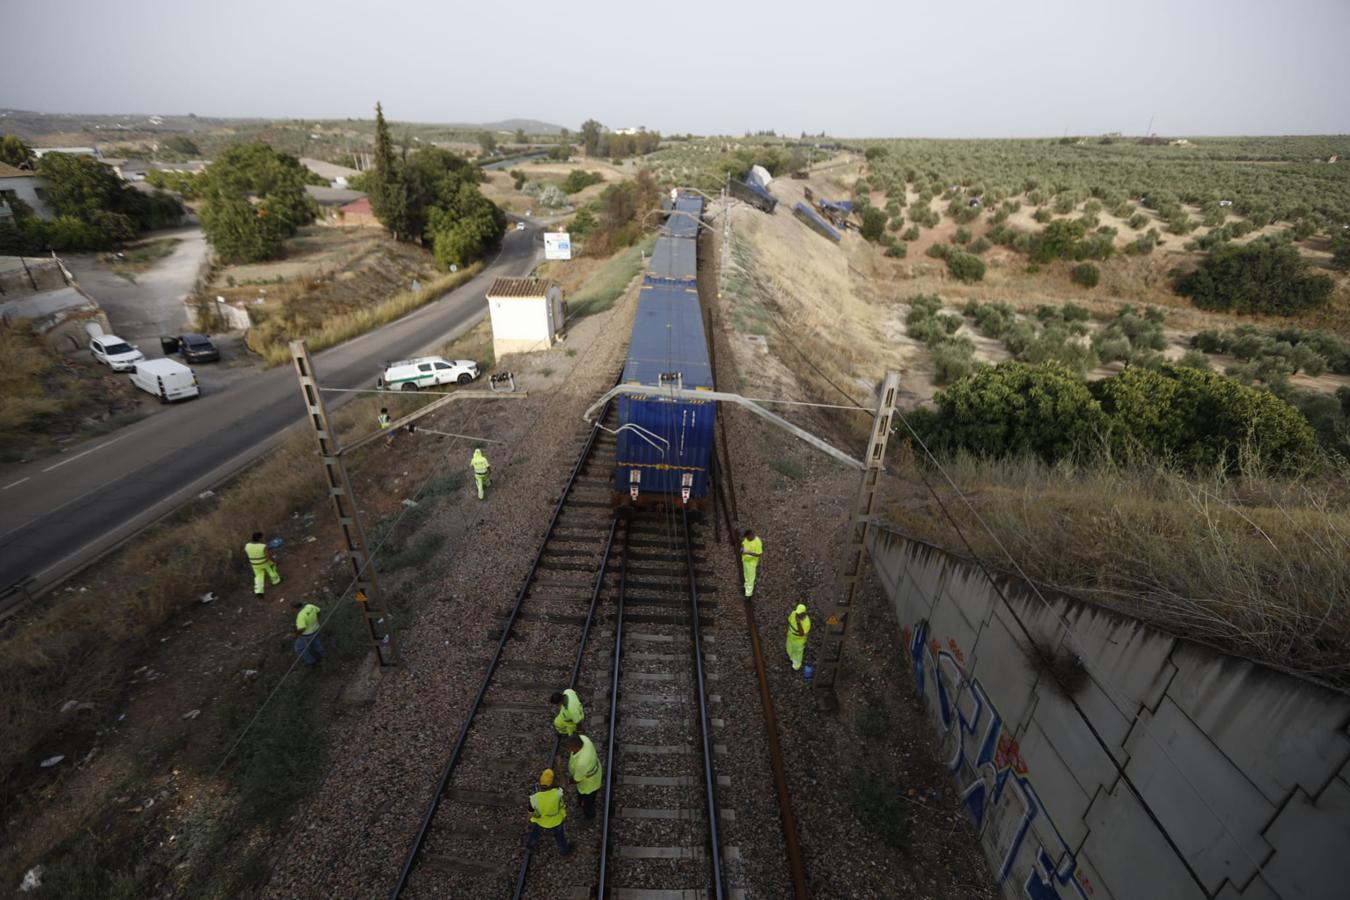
{"points": [[801, 608], [546, 778]]}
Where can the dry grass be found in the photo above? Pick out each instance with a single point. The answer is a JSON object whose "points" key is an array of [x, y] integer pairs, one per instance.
{"points": [[79, 640], [269, 339], [1256, 566]]}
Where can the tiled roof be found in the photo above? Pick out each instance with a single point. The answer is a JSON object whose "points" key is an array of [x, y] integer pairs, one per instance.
{"points": [[520, 287], [8, 171]]}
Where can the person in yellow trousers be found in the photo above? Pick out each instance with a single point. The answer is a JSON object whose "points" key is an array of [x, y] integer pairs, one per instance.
{"points": [[547, 811], [584, 766], [482, 471], [570, 712], [260, 558], [752, 548], [799, 626]]}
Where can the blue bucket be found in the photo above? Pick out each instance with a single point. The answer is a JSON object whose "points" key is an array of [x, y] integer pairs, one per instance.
{"points": [[808, 670]]}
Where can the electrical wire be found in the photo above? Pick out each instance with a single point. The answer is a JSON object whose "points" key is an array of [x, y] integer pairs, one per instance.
{"points": [[1068, 632]]}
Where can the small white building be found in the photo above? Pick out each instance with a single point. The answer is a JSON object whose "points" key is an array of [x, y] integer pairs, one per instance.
{"points": [[527, 314], [20, 184]]}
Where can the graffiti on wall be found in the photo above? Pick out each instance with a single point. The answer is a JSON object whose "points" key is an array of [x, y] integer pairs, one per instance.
{"points": [[993, 780]]}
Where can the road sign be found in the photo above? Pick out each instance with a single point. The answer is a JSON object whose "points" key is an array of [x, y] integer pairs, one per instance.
{"points": [[557, 245]]}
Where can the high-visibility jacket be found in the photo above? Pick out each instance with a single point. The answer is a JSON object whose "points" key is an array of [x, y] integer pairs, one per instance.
{"points": [[569, 714], [307, 620], [256, 553], [585, 769], [749, 547], [480, 463], [384, 420], [548, 807], [797, 623]]}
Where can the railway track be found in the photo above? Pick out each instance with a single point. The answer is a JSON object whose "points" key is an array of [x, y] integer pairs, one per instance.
{"points": [[641, 577], [662, 837]]}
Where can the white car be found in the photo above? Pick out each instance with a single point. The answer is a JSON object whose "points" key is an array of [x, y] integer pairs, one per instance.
{"points": [[167, 379], [520, 226], [426, 371], [115, 353]]}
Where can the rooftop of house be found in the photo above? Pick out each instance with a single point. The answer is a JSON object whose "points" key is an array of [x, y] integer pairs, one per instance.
{"points": [[517, 288], [8, 171]]}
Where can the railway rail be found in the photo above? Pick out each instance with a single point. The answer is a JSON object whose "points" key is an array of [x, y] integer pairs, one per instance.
{"points": [[642, 572]]}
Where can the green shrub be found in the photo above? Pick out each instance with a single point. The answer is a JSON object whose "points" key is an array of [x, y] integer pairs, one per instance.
{"points": [[1265, 276], [1085, 274], [962, 236], [1202, 419], [953, 358], [1042, 215], [874, 224], [980, 245], [965, 266], [1193, 359], [897, 250], [937, 251], [579, 180], [910, 234], [1015, 409]]}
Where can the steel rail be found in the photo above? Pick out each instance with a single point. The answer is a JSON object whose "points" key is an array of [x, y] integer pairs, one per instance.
{"points": [[443, 781], [572, 682], [613, 720], [705, 727]]}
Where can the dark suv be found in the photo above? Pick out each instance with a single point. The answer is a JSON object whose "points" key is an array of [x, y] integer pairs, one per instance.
{"points": [[192, 347]]}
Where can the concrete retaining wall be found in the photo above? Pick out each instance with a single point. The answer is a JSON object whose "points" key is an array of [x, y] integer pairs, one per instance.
{"points": [[1171, 771]]}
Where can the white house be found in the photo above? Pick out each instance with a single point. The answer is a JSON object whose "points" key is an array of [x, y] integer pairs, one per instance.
{"points": [[527, 314], [40, 152], [17, 184]]}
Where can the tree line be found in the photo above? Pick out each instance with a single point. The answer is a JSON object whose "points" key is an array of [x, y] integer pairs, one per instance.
{"points": [[93, 208], [431, 196]]}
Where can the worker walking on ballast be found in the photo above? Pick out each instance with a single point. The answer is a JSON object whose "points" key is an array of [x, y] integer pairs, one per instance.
{"points": [[547, 811], [799, 626], [583, 764], [482, 471], [262, 561], [570, 712], [752, 548]]}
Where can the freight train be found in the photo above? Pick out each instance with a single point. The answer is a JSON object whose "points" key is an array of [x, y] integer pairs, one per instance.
{"points": [[664, 444]]}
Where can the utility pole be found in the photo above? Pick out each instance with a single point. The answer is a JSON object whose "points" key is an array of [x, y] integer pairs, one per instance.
{"points": [[831, 652], [344, 505]]}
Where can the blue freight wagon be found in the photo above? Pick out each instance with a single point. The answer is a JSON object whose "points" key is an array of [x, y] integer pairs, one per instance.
{"points": [[664, 446], [674, 257]]}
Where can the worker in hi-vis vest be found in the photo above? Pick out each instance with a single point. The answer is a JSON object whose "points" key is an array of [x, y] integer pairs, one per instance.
{"points": [[482, 471], [570, 712], [799, 626], [547, 811], [752, 548], [260, 558], [307, 645], [384, 421], [584, 766]]}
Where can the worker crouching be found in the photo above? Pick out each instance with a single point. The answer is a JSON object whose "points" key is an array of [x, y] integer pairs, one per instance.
{"points": [[260, 558], [570, 712], [307, 645], [547, 812]]}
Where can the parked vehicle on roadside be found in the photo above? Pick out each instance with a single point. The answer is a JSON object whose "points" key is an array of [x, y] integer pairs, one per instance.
{"points": [[167, 379], [114, 352], [192, 347], [426, 371]]}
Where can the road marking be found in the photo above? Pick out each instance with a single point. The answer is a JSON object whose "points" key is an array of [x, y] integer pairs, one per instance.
{"points": [[85, 453], [15, 483]]}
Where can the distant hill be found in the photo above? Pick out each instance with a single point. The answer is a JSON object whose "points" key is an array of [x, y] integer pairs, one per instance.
{"points": [[101, 128]]}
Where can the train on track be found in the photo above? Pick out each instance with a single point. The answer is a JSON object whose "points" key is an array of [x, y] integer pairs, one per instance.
{"points": [[665, 443]]}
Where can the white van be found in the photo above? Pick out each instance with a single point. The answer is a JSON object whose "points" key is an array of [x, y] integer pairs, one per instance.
{"points": [[426, 371], [166, 379]]}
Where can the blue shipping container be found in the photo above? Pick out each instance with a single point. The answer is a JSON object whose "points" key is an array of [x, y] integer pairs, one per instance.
{"points": [[674, 257], [684, 221], [669, 438]]}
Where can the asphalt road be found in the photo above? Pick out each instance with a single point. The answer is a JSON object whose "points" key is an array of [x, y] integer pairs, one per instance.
{"points": [[57, 513]]}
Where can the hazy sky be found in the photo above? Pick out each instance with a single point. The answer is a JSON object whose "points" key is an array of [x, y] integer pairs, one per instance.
{"points": [[937, 69]]}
